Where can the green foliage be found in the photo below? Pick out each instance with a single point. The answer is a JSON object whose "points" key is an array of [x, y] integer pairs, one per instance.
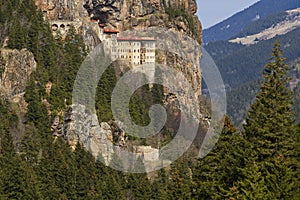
{"points": [[261, 164], [175, 12], [270, 130], [240, 67], [159, 186], [137, 184], [12, 171], [237, 104], [37, 111], [252, 188], [270, 117], [179, 185], [104, 93], [221, 167], [297, 101]]}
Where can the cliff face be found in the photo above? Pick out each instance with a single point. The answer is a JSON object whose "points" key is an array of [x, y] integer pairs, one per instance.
{"points": [[126, 14], [123, 15], [15, 69], [98, 140]]}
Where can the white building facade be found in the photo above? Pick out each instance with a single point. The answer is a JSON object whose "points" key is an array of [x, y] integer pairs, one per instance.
{"points": [[134, 51]]}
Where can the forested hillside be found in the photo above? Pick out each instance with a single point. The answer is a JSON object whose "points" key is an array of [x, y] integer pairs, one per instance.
{"points": [[260, 162], [264, 23], [241, 65], [235, 24]]}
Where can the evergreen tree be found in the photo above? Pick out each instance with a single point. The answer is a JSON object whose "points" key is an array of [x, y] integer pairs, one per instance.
{"points": [[87, 180], [137, 184], [221, 167], [253, 187], [104, 92], [160, 186], [57, 170], [180, 180], [270, 119], [270, 132], [13, 182], [37, 111], [112, 181]]}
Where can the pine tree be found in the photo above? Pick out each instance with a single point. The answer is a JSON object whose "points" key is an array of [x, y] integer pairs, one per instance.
{"points": [[160, 186], [269, 129], [86, 178], [13, 182], [110, 181], [219, 170], [57, 170], [37, 111], [137, 184], [179, 183], [270, 118], [253, 187], [12, 172]]}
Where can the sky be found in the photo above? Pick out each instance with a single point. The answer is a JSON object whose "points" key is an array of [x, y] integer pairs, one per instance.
{"points": [[211, 12]]}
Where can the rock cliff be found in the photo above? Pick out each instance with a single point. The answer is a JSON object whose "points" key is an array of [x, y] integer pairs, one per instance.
{"points": [[123, 15], [16, 67], [96, 139]]}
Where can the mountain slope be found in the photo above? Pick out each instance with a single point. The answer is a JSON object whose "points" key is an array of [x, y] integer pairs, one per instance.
{"points": [[241, 58], [267, 22], [268, 29], [239, 64], [233, 25]]}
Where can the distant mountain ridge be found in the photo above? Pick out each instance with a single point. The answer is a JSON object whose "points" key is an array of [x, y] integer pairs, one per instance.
{"points": [[269, 28], [267, 22], [235, 24], [239, 63], [241, 57]]}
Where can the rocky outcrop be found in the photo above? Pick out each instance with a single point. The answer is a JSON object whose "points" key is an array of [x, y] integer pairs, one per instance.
{"points": [[58, 9], [16, 67], [121, 14], [80, 125], [126, 14]]}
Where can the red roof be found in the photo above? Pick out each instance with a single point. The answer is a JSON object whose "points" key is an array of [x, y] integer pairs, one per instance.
{"points": [[102, 25], [110, 31]]}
